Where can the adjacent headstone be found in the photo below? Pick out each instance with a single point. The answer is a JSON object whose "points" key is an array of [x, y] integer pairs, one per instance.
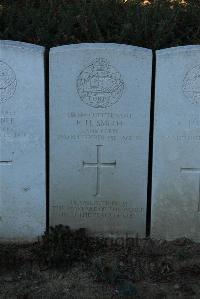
{"points": [[176, 165], [22, 142], [99, 124]]}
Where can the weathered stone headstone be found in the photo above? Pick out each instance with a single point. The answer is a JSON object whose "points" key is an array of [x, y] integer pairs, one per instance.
{"points": [[22, 144], [99, 122], [176, 167]]}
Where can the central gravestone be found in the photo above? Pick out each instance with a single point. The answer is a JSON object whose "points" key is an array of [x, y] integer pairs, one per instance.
{"points": [[99, 122]]}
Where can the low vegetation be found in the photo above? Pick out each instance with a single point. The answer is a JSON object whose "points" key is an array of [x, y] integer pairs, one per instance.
{"points": [[72, 264]]}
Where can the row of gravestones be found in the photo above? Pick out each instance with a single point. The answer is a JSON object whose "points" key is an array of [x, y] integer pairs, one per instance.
{"points": [[100, 98]]}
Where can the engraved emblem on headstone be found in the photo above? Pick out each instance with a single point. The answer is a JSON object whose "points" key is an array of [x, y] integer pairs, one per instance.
{"points": [[191, 85], [8, 82], [100, 85]]}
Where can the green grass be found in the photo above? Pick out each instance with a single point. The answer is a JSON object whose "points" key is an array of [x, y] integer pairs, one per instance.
{"points": [[55, 22]]}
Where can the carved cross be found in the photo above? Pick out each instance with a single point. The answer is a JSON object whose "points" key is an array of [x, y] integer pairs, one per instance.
{"points": [[5, 162], [99, 165]]}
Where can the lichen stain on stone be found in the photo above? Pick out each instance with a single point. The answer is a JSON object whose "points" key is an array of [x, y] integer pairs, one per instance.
{"points": [[26, 189], [174, 217]]}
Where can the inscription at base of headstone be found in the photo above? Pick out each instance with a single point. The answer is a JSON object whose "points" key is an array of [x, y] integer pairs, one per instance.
{"points": [[22, 144], [176, 169], [99, 128]]}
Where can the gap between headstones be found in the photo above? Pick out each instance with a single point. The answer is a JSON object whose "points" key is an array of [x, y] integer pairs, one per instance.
{"points": [[47, 132], [151, 135]]}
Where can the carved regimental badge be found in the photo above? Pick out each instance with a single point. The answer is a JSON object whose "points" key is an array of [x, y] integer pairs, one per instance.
{"points": [[8, 82], [191, 85], [100, 85]]}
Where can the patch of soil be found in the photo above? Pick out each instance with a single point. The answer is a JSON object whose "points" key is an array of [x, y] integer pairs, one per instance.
{"points": [[70, 264]]}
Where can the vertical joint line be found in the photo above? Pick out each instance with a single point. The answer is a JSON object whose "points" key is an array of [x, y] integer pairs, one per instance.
{"points": [[151, 132], [199, 196], [47, 132]]}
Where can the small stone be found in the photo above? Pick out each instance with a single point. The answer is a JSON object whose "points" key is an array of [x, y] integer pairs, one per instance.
{"points": [[8, 279]]}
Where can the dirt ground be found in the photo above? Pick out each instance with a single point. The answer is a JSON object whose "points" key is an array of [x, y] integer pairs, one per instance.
{"points": [[57, 267]]}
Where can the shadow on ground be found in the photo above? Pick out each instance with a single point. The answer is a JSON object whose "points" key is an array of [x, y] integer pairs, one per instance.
{"points": [[71, 264]]}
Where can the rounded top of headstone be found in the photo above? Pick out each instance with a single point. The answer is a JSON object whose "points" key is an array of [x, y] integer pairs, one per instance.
{"points": [[178, 49], [22, 46], [93, 46]]}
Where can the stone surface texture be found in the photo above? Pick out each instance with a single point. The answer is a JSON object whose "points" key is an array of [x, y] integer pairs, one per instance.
{"points": [[22, 142], [176, 165], [99, 136]]}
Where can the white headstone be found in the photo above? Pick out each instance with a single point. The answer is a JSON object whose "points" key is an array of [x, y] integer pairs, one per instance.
{"points": [[22, 142], [176, 166], [99, 122]]}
